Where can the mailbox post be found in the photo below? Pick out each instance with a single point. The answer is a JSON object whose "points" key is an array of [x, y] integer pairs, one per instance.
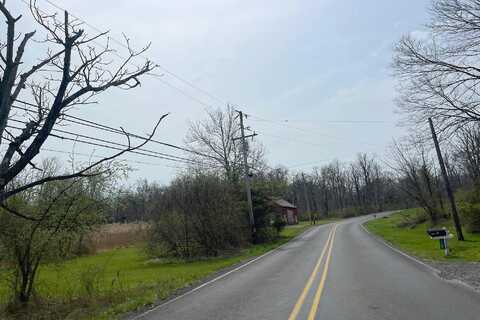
{"points": [[442, 235]]}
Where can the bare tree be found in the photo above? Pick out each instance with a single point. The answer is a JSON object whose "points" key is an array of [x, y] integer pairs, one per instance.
{"points": [[417, 177], [467, 151], [439, 74], [73, 70], [215, 141]]}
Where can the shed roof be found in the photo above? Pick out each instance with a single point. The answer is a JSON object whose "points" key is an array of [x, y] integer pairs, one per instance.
{"points": [[283, 203]]}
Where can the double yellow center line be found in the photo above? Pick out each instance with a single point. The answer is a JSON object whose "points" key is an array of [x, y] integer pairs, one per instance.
{"points": [[327, 249]]}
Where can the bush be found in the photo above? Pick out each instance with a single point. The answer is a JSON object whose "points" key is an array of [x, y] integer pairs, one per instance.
{"points": [[266, 221], [279, 224], [266, 234], [62, 214], [470, 213], [469, 207], [200, 216], [411, 220]]}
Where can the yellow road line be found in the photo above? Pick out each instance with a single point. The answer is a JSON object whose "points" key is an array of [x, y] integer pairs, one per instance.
{"points": [[304, 293], [318, 294]]}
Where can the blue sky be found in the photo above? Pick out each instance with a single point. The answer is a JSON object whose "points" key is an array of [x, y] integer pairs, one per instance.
{"points": [[308, 62]]}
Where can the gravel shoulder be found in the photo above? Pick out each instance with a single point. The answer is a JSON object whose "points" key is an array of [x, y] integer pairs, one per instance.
{"points": [[467, 272]]}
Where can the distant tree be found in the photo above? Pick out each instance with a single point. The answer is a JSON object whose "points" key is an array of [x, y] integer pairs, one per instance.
{"points": [[273, 182], [418, 177], [215, 141]]}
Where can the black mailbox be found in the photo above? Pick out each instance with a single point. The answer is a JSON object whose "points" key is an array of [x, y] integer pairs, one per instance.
{"points": [[437, 233]]}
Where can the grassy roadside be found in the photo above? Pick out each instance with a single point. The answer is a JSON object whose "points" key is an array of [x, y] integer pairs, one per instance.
{"points": [[107, 284], [415, 241]]}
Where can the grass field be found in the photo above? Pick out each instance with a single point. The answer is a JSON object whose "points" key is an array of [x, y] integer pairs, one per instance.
{"points": [[416, 241], [109, 283]]}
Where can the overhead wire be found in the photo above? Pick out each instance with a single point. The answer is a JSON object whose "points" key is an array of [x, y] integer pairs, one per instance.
{"points": [[121, 159], [154, 75], [76, 140], [282, 123], [111, 142], [107, 128], [120, 43]]}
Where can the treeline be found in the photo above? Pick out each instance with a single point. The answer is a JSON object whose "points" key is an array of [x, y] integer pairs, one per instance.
{"points": [[409, 177], [336, 189], [347, 189]]}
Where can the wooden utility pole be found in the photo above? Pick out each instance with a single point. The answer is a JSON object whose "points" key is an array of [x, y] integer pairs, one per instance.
{"points": [[306, 197], [456, 219], [248, 187]]}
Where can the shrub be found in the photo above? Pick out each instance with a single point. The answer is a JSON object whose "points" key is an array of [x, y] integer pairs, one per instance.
{"points": [[200, 216], [279, 223], [411, 220], [61, 212], [469, 207], [90, 278], [266, 234], [470, 213], [264, 217]]}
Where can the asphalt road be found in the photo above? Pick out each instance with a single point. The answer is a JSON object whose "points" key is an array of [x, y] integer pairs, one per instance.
{"points": [[331, 272]]}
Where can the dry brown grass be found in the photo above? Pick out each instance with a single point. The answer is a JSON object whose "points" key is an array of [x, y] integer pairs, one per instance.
{"points": [[117, 235]]}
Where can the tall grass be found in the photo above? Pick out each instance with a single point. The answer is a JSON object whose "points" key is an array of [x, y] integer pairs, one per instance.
{"points": [[117, 235]]}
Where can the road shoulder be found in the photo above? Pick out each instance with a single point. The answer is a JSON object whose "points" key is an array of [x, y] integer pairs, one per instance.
{"points": [[466, 274]]}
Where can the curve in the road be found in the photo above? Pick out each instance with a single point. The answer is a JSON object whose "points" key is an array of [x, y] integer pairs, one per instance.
{"points": [[339, 271]]}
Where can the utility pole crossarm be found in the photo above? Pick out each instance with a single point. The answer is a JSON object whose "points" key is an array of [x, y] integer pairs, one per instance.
{"points": [[245, 137]]}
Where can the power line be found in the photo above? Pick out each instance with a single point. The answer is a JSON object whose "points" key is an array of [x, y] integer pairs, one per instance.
{"points": [[110, 142], [113, 148], [176, 76], [291, 140], [156, 76], [283, 123], [99, 156], [183, 92], [99, 126], [287, 121]]}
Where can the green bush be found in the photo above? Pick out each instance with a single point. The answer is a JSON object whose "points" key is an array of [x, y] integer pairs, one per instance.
{"points": [[265, 217], [279, 223], [470, 213], [266, 234], [469, 207]]}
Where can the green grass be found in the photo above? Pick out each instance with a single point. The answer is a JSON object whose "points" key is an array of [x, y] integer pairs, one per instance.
{"points": [[415, 240], [125, 279]]}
